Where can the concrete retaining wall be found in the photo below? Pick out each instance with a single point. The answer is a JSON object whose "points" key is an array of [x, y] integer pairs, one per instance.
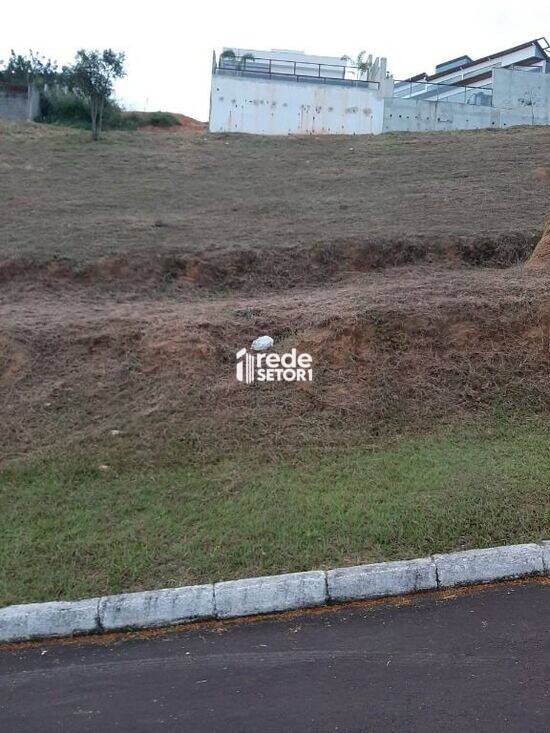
{"points": [[19, 104], [279, 107], [415, 115], [523, 91], [412, 115], [519, 98], [269, 107]]}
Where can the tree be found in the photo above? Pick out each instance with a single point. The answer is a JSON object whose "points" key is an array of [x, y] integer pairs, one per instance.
{"points": [[362, 66], [31, 69], [239, 62], [92, 77]]}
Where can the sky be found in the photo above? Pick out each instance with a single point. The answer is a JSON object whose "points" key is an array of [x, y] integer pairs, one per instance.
{"points": [[169, 45]]}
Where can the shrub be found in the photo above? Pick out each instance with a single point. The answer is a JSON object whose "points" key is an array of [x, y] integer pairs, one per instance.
{"points": [[163, 119], [64, 108]]}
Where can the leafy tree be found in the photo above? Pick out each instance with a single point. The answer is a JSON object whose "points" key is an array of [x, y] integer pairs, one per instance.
{"points": [[244, 58], [92, 77], [362, 66], [239, 61], [31, 69]]}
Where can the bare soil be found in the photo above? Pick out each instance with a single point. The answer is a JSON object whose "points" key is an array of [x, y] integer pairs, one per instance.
{"points": [[540, 259], [392, 350]]}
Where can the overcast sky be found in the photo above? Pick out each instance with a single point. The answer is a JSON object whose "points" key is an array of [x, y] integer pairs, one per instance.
{"points": [[169, 44]]}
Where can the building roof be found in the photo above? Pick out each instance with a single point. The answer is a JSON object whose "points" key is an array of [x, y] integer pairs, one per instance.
{"points": [[464, 58], [540, 43]]}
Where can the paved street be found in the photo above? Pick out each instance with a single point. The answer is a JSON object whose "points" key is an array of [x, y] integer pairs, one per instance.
{"points": [[476, 661]]}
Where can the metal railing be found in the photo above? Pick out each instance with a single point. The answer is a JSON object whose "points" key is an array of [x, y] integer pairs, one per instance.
{"points": [[299, 71], [433, 92]]}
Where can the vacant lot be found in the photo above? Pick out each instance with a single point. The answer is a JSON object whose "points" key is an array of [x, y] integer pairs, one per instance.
{"points": [[156, 193], [132, 271]]}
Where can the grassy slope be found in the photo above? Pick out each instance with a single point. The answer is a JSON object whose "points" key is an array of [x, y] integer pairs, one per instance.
{"points": [[72, 368], [64, 196], [73, 530]]}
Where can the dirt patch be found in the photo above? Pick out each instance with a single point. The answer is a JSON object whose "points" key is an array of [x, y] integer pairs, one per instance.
{"points": [[280, 269], [13, 361], [540, 259], [391, 348], [184, 124], [542, 173], [182, 351], [190, 123], [338, 345]]}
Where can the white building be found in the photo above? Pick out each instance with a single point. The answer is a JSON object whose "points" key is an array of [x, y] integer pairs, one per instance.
{"points": [[289, 92], [471, 81], [283, 92]]}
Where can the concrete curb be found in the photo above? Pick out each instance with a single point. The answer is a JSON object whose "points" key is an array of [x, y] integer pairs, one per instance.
{"points": [[251, 596], [492, 563], [156, 608], [57, 618], [381, 579]]}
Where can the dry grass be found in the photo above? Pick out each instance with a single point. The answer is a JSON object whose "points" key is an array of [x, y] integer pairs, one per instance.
{"points": [[133, 270], [393, 350], [61, 195]]}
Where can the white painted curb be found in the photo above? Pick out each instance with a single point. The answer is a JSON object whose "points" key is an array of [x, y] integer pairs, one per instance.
{"points": [[381, 579], [156, 608], [492, 563], [270, 594], [56, 618]]}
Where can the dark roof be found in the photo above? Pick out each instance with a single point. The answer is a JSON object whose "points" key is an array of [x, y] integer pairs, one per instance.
{"points": [[454, 61], [417, 77]]}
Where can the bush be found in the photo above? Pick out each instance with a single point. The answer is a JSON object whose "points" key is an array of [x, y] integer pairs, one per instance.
{"points": [[162, 119], [65, 108]]}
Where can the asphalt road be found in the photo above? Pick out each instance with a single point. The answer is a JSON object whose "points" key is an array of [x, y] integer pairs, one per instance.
{"points": [[478, 661]]}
